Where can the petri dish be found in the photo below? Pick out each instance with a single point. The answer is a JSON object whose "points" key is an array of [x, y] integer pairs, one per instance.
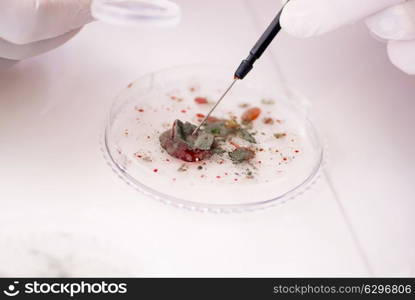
{"points": [[288, 150]]}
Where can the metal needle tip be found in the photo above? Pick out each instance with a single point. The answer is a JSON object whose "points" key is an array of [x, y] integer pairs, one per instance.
{"points": [[214, 106]]}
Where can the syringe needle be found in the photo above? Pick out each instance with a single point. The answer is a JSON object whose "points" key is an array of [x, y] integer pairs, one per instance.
{"points": [[216, 104], [246, 65]]}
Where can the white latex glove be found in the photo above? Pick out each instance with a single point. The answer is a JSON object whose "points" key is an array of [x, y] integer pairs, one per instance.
{"points": [[392, 20], [31, 27]]}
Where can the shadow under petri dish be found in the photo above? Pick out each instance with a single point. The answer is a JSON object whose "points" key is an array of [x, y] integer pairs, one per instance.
{"points": [[57, 254]]}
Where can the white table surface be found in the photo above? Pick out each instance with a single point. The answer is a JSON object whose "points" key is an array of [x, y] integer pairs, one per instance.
{"points": [[58, 196]]}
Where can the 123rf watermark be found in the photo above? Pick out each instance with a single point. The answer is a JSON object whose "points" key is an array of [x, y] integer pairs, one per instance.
{"points": [[64, 288]]}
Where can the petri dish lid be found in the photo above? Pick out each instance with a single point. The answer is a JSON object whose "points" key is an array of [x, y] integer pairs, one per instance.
{"points": [[288, 150], [136, 12]]}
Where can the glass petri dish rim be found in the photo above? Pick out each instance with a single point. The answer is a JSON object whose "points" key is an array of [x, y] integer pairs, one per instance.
{"points": [[294, 192]]}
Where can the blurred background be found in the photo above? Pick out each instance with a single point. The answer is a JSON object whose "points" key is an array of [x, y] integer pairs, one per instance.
{"points": [[64, 213]]}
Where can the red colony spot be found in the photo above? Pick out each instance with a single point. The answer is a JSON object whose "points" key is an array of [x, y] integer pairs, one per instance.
{"points": [[148, 136], [226, 174], [200, 115], [212, 120], [155, 170], [141, 110], [235, 179], [251, 114], [284, 158], [261, 149], [167, 159], [296, 151], [201, 100], [183, 111], [260, 162], [218, 177]]}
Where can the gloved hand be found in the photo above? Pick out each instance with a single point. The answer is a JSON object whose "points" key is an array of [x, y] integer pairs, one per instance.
{"points": [[31, 27], [392, 20]]}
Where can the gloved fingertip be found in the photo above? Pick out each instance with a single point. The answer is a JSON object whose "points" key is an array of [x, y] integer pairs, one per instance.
{"points": [[402, 55], [299, 22], [393, 23], [7, 63]]}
